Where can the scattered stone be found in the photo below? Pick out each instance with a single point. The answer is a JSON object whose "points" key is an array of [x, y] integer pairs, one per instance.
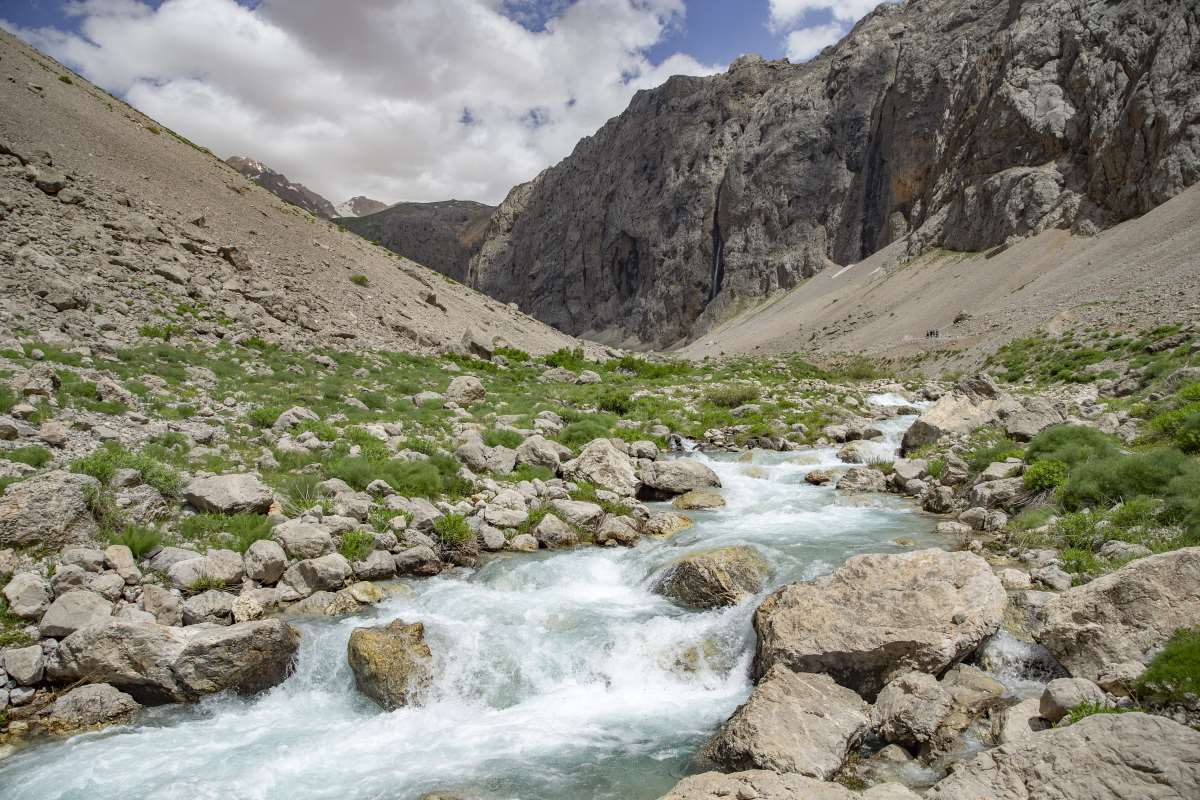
{"points": [[1018, 722], [551, 532], [48, 510], [862, 479], [28, 595], [1063, 694], [25, 664], [265, 561], [466, 390], [699, 499], [909, 710], [666, 523], [601, 464]]}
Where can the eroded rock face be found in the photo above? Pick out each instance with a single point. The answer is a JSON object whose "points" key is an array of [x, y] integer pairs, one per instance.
{"points": [[793, 722], [878, 616], [714, 578], [959, 127], [1124, 616], [1102, 757], [48, 510], [392, 664]]}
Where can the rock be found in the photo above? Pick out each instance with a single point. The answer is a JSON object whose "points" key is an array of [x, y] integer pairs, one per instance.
{"points": [[1014, 579], [48, 510], [229, 494], [862, 479], [218, 567], [1018, 722], [1052, 577], [817, 477], [523, 543], [620, 531], [666, 523], [1063, 694], [25, 664], [793, 722], [1116, 550], [603, 465], [878, 616], [159, 664], [28, 595], [578, 512], [86, 558], [419, 560], [910, 708], [168, 557], [91, 706], [1103, 757], [714, 578], [768, 785], [1121, 679], [953, 414], [538, 451], [379, 565], [1005, 493], [327, 573], [265, 561], [465, 390], [392, 664], [120, 560], [1125, 616], [214, 607], [301, 539], [293, 417], [698, 499], [970, 688], [165, 606], [75, 610], [504, 517], [662, 480], [551, 532], [491, 539]]}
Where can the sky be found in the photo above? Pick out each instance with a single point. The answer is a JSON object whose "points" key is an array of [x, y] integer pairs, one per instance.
{"points": [[414, 100]]}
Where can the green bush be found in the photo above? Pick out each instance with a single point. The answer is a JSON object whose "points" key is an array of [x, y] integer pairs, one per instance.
{"points": [[357, 545], [528, 472], [265, 416], [106, 460], [731, 396], [205, 583], [1048, 475], [32, 455], [1105, 482], [651, 370], [991, 447], [453, 530], [576, 434], [615, 401], [936, 467], [232, 531], [300, 493], [502, 438], [568, 358], [1072, 445], [432, 478], [139, 539], [1175, 672], [360, 280], [513, 354], [1085, 710]]}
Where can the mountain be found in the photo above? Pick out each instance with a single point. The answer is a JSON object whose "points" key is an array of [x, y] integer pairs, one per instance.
{"points": [[295, 193], [933, 125], [358, 207], [114, 228], [442, 236]]}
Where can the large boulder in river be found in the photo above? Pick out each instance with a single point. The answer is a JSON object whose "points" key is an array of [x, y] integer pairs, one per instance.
{"points": [[714, 578], [878, 616], [159, 664], [909, 710], [662, 480], [392, 664], [239, 493], [600, 463], [1101, 757], [762, 784], [92, 705], [49, 510], [1125, 616], [793, 722]]}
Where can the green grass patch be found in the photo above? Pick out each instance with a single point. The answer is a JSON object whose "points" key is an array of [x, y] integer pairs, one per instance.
{"points": [[1085, 710], [731, 396], [32, 455], [360, 280], [105, 461], [1174, 673], [357, 545], [230, 531], [140, 539], [453, 530], [502, 438]]}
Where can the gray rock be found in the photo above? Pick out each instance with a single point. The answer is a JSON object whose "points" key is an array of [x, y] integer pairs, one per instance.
{"points": [[578, 512], [379, 565], [224, 567], [662, 480], [301, 539], [768, 785], [1052, 577], [604, 466], [213, 606], [793, 722], [538, 451], [168, 557], [418, 560], [878, 616], [229, 494], [48, 510], [293, 417], [120, 560], [91, 706], [164, 605], [1063, 694], [25, 664], [1104, 757], [327, 573], [909, 710], [551, 532], [88, 559], [714, 578], [75, 610], [392, 664], [1018, 722], [28, 595], [523, 543], [1117, 550], [1125, 616], [466, 390], [862, 479], [617, 531], [265, 561]]}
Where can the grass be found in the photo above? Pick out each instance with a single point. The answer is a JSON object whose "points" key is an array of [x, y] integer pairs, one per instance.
{"points": [[32, 455], [1071, 445], [1085, 710], [357, 545], [104, 462], [502, 438], [11, 628], [1044, 476], [731, 396], [231, 531], [987, 446], [206, 582], [140, 539], [1174, 673], [587, 493], [568, 358], [453, 530], [360, 280]]}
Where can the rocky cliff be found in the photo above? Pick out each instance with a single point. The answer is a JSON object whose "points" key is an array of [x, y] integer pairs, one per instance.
{"points": [[442, 236], [278, 184], [359, 206], [934, 123]]}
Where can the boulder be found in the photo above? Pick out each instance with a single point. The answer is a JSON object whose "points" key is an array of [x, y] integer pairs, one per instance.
{"points": [[768, 785], [666, 523], [698, 499], [909, 710], [419, 560], [1005, 493], [218, 567], [28, 595], [164, 605], [265, 561], [24, 664], [159, 664], [379, 565], [1125, 616], [601, 464], [1101, 757], [213, 606], [878, 616], [662, 480], [75, 610], [92, 705], [538, 451], [523, 543], [1017, 722], [327, 573], [49, 510], [301, 539], [119, 559], [578, 512], [551, 532], [293, 417], [714, 578], [862, 479], [1063, 694], [88, 559], [392, 664], [956, 413], [240, 493], [617, 531], [465, 390], [793, 722]]}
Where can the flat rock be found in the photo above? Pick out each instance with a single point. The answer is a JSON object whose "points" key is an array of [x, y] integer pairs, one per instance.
{"points": [[241, 493], [75, 610], [766, 785], [662, 480], [49, 510]]}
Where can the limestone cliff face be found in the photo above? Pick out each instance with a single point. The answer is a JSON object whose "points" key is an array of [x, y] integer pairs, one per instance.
{"points": [[940, 122]]}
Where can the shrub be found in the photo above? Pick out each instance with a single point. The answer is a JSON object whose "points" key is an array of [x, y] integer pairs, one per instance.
{"points": [[1088, 709], [651, 370], [106, 460], [300, 493], [8, 399], [265, 416], [502, 438], [204, 583], [139, 539], [1043, 476], [33, 455], [567, 359], [1175, 672], [1031, 518], [65, 79], [615, 401], [1071, 444], [437, 476], [453, 530], [234, 531], [578, 433], [1107, 481], [357, 545], [990, 448], [513, 354], [936, 467], [360, 280], [731, 396], [528, 472]]}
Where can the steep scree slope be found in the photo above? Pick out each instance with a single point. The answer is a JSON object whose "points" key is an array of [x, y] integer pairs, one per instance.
{"points": [[962, 125]]}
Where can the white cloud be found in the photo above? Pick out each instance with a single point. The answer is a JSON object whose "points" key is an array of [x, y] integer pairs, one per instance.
{"points": [[369, 97], [805, 43], [786, 13]]}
